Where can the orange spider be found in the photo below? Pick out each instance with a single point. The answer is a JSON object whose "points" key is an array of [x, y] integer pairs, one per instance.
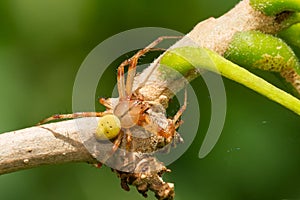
{"points": [[130, 111]]}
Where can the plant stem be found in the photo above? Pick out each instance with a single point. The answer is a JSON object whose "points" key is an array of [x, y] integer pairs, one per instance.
{"points": [[185, 59]]}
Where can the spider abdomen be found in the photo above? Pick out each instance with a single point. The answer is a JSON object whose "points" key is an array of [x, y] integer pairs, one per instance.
{"points": [[108, 127]]}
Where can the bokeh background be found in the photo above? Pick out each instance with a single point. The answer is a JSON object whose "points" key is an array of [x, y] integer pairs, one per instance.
{"points": [[42, 45]]}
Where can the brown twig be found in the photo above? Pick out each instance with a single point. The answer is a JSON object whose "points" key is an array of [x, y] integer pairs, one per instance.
{"points": [[48, 144]]}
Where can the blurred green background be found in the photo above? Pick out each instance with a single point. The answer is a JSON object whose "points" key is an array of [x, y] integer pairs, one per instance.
{"points": [[42, 45]]}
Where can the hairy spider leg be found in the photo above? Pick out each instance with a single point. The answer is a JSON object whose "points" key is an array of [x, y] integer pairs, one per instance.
{"points": [[115, 147], [174, 123], [128, 139], [74, 115], [121, 80], [151, 46], [117, 142], [126, 90], [105, 103], [181, 110], [134, 61]]}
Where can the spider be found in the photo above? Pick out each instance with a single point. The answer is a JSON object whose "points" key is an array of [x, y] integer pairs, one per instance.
{"points": [[131, 110]]}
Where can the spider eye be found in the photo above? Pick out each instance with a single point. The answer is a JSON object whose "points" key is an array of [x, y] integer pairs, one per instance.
{"points": [[108, 127]]}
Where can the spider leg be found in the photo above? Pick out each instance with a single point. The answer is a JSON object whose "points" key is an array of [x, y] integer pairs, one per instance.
{"points": [[134, 60], [151, 127], [73, 115], [181, 110], [117, 143], [170, 131], [178, 124], [121, 79], [115, 147], [105, 103], [128, 140], [155, 64]]}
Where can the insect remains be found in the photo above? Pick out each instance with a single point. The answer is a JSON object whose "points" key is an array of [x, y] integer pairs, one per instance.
{"points": [[121, 123]]}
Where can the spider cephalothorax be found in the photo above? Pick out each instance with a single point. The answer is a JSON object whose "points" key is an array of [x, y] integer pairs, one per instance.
{"points": [[130, 112]]}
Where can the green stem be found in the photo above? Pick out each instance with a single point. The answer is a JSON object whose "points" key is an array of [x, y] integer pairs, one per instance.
{"points": [[186, 59], [273, 7], [244, 77], [291, 35]]}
